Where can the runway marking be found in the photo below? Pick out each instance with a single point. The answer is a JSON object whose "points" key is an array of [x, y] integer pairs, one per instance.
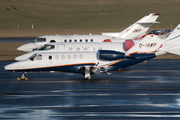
{"points": [[86, 90], [57, 95], [116, 105], [97, 80], [92, 115], [93, 106]]}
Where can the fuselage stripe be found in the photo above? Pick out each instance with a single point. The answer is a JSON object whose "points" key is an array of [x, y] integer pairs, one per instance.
{"points": [[142, 52], [60, 65]]}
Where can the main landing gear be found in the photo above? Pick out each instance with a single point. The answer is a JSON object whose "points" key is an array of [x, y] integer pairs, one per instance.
{"points": [[23, 76], [87, 74]]}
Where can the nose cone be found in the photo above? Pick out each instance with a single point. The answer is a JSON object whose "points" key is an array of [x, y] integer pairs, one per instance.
{"points": [[19, 58], [14, 66], [24, 56], [26, 47], [9, 67]]}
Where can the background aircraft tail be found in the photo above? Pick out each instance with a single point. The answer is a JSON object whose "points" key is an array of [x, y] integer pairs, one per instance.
{"points": [[172, 42], [150, 43], [138, 29]]}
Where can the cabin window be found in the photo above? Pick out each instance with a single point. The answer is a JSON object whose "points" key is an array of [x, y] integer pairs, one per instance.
{"points": [[46, 47], [70, 40], [86, 40], [91, 40], [80, 40], [70, 49], [52, 41], [39, 40], [57, 57], [32, 57], [85, 49], [81, 56], [50, 57], [75, 40], [62, 57], [65, 40], [77, 49], [39, 57]]}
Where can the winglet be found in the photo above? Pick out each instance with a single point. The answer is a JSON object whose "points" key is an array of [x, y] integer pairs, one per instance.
{"points": [[149, 19]]}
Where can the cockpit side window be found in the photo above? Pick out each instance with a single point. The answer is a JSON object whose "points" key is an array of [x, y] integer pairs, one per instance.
{"points": [[32, 57], [39, 40], [46, 47], [39, 57]]}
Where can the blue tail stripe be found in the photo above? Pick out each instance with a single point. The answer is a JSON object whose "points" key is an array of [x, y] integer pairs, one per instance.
{"points": [[174, 38]]}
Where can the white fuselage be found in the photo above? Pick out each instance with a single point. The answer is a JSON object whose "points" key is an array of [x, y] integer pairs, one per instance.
{"points": [[59, 59], [40, 41], [76, 47]]}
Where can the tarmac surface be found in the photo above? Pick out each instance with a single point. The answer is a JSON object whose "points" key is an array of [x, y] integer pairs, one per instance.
{"points": [[149, 90]]}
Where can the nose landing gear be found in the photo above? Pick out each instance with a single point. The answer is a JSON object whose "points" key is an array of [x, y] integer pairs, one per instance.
{"points": [[87, 74], [23, 76]]}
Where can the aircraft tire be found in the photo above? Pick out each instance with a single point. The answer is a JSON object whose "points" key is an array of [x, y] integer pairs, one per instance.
{"points": [[88, 78]]}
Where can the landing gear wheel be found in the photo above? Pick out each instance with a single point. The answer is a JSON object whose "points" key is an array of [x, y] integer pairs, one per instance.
{"points": [[18, 78], [89, 77], [23, 77]]}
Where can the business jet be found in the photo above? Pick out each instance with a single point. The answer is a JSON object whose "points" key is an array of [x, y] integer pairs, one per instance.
{"points": [[79, 47], [102, 61], [136, 30], [94, 46]]}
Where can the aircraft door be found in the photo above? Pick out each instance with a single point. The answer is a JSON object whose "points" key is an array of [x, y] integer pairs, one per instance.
{"points": [[61, 47]]}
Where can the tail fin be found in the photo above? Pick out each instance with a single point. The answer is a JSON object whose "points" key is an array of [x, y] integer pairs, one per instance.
{"points": [[172, 42], [149, 44], [137, 29]]}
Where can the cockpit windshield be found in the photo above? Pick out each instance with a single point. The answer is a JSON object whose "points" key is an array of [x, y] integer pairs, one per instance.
{"points": [[32, 57], [39, 40], [46, 47]]}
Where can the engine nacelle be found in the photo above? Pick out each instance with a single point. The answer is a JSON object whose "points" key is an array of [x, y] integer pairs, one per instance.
{"points": [[110, 55]]}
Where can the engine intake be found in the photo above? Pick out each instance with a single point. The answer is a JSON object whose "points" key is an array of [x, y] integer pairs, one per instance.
{"points": [[110, 55]]}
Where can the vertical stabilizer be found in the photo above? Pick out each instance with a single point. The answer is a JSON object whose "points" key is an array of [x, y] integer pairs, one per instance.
{"points": [[174, 34], [172, 43], [138, 29], [149, 44]]}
